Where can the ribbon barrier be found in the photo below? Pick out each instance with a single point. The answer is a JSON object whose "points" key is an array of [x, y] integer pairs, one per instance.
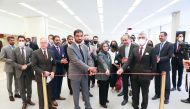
{"points": [[45, 92], [163, 83], [163, 76]]}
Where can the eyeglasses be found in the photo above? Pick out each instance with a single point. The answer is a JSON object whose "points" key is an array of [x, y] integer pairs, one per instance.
{"points": [[141, 37]]}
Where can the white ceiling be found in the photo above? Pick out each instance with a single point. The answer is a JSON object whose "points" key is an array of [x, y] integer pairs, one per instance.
{"points": [[113, 12]]}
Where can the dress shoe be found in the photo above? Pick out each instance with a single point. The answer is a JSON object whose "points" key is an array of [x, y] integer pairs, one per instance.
{"points": [[90, 95], [107, 101], [124, 102], [104, 106], [186, 100], [11, 98], [17, 96], [166, 101], [92, 86], [54, 103], [178, 88], [173, 89], [30, 102], [24, 106], [155, 97], [120, 94], [71, 93], [53, 108], [61, 98]]}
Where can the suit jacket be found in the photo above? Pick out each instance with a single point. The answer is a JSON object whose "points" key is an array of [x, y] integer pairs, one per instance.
{"points": [[40, 64], [177, 55], [104, 63], [121, 53], [7, 57], [18, 61], [33, 46], [58, 56], [165, 56], [1, 45], [76, 65], [147, 64]]}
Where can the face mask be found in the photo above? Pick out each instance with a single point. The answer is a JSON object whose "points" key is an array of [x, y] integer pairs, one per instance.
{"points": [[21, 44], [142, 41], [95, 42], [86, 41], [180, 39]]}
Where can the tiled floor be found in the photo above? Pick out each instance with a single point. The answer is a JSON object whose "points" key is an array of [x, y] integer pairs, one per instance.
{"points": [[115, 101]]}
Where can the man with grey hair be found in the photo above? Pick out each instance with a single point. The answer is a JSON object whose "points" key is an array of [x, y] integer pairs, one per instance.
{"points": [[43, 63], [142, 60]]}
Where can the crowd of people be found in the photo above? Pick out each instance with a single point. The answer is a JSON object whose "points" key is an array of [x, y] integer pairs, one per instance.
{"points": [[83, 60]]}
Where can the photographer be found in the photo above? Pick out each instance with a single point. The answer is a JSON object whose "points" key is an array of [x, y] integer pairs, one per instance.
{"points": [[186, 64]]}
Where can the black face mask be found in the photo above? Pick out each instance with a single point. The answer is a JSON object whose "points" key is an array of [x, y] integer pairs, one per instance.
{"points": [[95, 42], [86, 41]]}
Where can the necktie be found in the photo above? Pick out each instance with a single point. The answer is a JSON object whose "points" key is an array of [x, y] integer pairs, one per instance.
{"points": [[22, 53], [45, 55], [58, 49], [140, 52], [126, 51], [161, 46], [179, 46], [81, 53]]}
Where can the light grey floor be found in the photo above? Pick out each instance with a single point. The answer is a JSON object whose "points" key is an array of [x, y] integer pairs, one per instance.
{"points": [[115, 101]]}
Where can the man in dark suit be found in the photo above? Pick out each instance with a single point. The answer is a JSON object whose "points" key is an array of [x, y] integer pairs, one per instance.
{"points": [[43, 63], [60, 60], [69, 42], [124, 52], [164, 52], [177, 64], [186, 64], [79, 68], [22, 61], [141, 60], [50, 41]]}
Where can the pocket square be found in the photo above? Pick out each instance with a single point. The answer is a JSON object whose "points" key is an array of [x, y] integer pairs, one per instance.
{"points": [[146, 53], [51, 59]]}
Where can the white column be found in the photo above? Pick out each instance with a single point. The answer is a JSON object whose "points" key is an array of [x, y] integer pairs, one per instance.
{"points": [[36, 27], [175, 25]]}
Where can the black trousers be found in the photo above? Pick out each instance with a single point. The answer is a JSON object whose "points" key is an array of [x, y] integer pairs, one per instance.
{"points": [[69, 85], [41, 97], [25, 82], [56, 85], [176, 66], [138, 84], [125, 80], [113, 77], [158, 85], [103, 91]]}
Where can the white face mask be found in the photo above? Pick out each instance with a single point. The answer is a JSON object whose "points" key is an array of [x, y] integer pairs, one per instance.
{"points": [[180, 39], [142, 42], [21, 44]]}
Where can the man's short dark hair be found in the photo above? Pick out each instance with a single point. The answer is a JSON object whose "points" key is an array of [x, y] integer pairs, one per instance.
{"points": [[21, 36], [165, 34], [69, 36], [56, 36], [78, 31], [10, 37], [95, 37]]}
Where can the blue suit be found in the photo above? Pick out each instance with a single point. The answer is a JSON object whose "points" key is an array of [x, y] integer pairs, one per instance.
{"points": [[60, 70]]}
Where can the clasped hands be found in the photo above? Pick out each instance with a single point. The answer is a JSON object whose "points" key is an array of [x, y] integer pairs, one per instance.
{"points": [[46, 74], [92, 70]]}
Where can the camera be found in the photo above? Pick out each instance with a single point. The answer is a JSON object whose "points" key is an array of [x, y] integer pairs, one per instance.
{"points": [[185, 48]]}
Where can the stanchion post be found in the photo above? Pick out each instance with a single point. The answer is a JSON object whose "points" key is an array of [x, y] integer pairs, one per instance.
{"points": [[163, 84], [44, 92]]}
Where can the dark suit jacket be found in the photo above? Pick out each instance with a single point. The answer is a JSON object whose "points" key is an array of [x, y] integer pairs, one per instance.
{"points": [[33, 46], [165, 56], [66, 55], [59, 66], [177, 55], [147, 64], [121, 53], [40, 64]]}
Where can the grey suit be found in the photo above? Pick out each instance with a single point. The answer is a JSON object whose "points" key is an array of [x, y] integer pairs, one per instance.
{"points": [[41, 64], [24, 76], [78, 73], [7, 57]]}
